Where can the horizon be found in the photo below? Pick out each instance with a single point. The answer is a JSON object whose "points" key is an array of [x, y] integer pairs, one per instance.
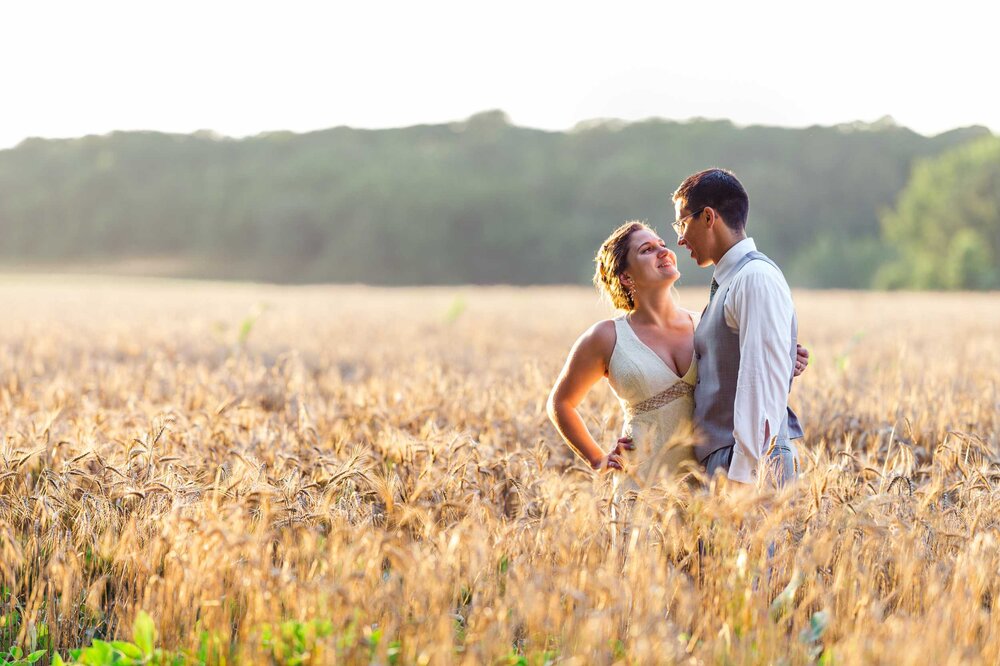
{"points": [[859, 125]]}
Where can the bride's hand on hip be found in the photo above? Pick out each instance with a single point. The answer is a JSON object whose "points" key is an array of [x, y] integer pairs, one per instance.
{"points": [[624, 444], [614, 459]]}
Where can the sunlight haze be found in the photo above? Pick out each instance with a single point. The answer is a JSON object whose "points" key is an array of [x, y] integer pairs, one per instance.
{"points": [[71, 69]]}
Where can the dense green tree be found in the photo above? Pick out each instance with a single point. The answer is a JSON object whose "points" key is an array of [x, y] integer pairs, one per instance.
{"points": [[945, 228]]}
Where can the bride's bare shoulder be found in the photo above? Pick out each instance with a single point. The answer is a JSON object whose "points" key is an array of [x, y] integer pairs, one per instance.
{"points": [[603, 331], [695, 316], [599, 337]]}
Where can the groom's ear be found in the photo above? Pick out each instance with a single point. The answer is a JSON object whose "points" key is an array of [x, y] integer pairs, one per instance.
{"points": [[711, 217]]}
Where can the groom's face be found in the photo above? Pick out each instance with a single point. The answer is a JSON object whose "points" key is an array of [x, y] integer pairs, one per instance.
{"points": [[695, 237]]}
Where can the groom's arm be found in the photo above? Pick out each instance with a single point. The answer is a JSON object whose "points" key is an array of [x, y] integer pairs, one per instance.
{"points": [[759, 306]]}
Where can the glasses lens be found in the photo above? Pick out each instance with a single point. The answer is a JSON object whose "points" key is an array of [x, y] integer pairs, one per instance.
{"points": [[681, 225]]}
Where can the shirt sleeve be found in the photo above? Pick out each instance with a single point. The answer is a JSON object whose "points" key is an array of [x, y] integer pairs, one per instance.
{"points": [[759, 307]]}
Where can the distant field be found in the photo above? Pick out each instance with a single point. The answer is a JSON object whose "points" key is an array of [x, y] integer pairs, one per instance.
{"points": [[374, 469]]}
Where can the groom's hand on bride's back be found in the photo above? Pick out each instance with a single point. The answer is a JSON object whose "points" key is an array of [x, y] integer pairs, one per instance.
{"points": [[801, 359]]}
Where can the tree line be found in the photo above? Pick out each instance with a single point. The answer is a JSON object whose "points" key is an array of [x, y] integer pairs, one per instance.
{"points": [[483, 201]]}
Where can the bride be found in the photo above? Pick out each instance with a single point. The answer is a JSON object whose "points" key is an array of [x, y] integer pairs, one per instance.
{"points": [[647, 355]]}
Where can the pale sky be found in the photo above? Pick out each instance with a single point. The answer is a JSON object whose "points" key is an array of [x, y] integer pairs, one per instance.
{"points": [[239, 68]]}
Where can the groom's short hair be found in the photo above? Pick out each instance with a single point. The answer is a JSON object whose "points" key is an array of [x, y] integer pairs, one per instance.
{"points": [[718, 189]]}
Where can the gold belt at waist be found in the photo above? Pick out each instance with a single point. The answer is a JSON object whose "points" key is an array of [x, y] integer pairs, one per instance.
{"points": [[676, 390]]}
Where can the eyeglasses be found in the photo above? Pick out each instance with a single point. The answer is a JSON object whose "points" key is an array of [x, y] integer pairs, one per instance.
{"points": [[680, 226]]}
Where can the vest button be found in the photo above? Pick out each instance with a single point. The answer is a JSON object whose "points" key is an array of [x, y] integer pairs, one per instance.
{"points": [[698, 356]]}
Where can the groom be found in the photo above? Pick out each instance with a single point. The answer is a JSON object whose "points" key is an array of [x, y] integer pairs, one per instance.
{"points": [[745, 343]]}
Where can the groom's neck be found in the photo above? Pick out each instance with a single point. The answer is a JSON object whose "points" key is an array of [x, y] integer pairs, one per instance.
{"points": [[726, 241]]}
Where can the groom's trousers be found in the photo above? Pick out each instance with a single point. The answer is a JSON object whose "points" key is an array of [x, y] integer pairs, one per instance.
{"points": [[781, 464]]}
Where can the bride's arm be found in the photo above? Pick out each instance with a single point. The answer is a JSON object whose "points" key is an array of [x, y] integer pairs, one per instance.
{"points": [[585, 366]]}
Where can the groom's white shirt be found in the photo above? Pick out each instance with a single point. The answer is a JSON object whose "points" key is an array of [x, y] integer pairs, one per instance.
{"points": [[759, 307]]}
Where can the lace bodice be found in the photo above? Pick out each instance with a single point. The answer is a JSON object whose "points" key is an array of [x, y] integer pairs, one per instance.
{"points": [[636, 373]]}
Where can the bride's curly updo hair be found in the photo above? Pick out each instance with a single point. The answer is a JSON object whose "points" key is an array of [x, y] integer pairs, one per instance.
{"points": [[612, 261]]}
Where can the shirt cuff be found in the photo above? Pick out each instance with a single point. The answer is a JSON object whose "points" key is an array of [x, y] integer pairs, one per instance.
{"points": [[742, 469]]}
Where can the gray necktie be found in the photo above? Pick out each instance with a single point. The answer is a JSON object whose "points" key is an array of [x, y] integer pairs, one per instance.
{"points": [[715, 288]]}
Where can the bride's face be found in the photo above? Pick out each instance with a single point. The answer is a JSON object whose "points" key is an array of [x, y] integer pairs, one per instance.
{"points": [[650, 261]]}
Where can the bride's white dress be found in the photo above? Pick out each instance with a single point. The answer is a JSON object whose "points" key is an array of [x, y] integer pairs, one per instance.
{"points": [[657, 404]]}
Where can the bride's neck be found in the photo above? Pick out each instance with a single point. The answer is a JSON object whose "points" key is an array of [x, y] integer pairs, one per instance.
{"points": [[655, 308]]}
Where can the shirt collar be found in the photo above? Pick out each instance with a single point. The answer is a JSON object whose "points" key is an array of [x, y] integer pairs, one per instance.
{"points": [[724, 269]]}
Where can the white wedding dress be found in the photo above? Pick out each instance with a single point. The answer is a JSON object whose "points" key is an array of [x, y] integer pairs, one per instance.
{"points": [[657, 405]]}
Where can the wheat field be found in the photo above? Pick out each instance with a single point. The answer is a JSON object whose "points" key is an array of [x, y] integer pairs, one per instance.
{"points": [[350, 475]]}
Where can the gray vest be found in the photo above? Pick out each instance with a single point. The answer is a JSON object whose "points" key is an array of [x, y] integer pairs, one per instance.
{"points": [[717, 350]]}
